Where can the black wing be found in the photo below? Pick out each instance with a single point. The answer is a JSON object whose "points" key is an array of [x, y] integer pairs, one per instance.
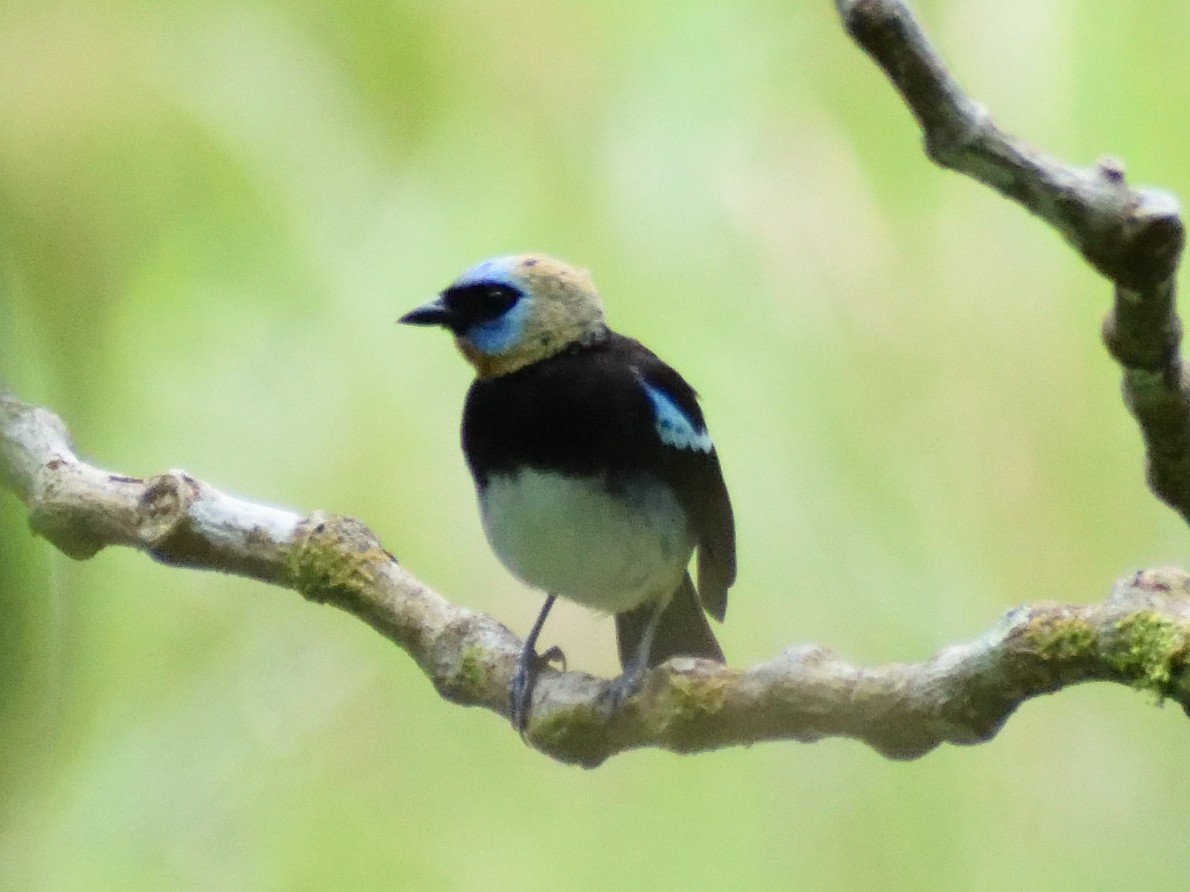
{"points": [[701, 489]]}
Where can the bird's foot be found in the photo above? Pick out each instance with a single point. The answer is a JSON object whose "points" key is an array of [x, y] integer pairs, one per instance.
{"points": [[622, 688], [524, 679]]}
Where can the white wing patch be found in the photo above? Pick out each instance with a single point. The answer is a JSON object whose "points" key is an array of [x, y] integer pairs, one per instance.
{"points": [[674, 426]]}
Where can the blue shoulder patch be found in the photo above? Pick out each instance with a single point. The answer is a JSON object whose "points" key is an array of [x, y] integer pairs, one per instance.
{"points": [[674, 426]]}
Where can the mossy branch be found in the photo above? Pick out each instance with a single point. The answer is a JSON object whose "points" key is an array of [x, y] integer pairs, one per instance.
{"points": [[1140, 636], [962, 695]]}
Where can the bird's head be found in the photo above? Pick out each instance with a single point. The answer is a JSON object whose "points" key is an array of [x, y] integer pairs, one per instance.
{"points": [[509, 312]]}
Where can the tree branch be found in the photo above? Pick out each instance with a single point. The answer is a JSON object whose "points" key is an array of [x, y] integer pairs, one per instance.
{"points": [[1134, 237], [963, 695], [1140, 636]]}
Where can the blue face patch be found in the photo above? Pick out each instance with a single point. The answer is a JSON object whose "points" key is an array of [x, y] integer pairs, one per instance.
{"points": [[501, 334], [496, 269], [674, 427], [495, 336]]}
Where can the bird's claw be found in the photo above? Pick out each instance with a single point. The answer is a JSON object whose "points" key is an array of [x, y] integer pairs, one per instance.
{"points": [[520, 695], [524, 679], [622, 689], [552, 656]]}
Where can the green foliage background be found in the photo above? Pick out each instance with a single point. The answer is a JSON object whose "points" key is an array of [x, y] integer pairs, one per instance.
{"points": [[212, 212]]}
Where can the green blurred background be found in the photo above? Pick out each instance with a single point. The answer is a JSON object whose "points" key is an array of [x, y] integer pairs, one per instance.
{"points": [[212, 212]]}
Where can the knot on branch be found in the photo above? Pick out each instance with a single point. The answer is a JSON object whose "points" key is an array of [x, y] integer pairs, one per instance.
{"points": [[1143, 334], [1133, 237], [162, 512]]}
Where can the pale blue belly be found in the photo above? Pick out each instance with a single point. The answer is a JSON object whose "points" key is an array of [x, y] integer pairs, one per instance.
{"points": [[569, 537]]}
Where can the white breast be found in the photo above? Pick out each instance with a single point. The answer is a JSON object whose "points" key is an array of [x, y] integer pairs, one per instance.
{"points": [[570, 537]]}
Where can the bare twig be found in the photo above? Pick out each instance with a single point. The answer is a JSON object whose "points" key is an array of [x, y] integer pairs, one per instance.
{"points": [[1134, 237], [962, 695]]}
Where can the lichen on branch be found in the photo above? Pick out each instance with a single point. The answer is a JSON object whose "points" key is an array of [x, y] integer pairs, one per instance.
{"points": [[1140, 636], [962, 695]]}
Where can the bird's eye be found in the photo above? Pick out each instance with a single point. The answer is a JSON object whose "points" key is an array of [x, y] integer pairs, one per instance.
{"points": [[495, 301], [476, 304]]}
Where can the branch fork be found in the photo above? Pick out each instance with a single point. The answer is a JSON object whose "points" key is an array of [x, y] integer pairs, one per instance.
{"points": [[1140, 636]]}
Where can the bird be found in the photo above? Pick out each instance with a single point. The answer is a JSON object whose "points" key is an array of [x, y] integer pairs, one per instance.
{"points": [[595, 474]]}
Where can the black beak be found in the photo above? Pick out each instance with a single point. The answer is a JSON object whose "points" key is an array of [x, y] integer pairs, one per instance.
{"points": [[436, 312]]}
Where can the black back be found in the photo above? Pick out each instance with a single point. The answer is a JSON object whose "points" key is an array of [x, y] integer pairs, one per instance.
{"points": [[584, 412]]}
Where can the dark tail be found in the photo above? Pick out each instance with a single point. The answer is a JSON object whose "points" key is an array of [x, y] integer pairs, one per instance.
{"points": [[683, 630]]}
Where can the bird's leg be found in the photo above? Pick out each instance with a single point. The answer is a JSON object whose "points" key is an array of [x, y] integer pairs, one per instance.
{"points": [[520, 691], [628, 682]]}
